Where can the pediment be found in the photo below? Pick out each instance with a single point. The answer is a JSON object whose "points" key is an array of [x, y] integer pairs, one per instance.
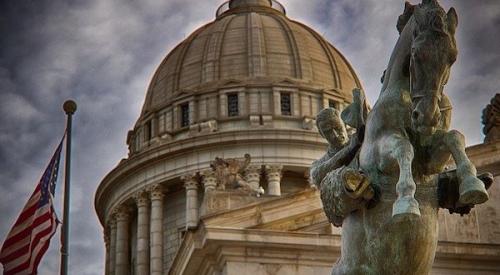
{"points": [[287, 81], [301, 211], [232, 82]]}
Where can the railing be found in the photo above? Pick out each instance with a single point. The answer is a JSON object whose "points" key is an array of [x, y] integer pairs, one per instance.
{"points": [[274, 4]]}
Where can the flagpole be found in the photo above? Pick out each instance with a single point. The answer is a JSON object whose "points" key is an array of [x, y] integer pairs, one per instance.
{"points": [[69, 108]]}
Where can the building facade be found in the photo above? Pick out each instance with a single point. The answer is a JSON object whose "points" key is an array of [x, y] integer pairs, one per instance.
{"points": [[242, 93]]}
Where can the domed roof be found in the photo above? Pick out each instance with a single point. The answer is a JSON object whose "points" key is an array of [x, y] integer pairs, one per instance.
{"points": [[252, 41]]}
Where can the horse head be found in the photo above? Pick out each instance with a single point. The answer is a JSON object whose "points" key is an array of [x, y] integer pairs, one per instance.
{"points": [[433, 52]]}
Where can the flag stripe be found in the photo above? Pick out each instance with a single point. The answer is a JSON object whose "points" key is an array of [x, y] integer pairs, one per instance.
{"points": [[38, 233], [27, 231], [28, 213], [17, 254], [44, 241], [29, 238], [12, 249]]}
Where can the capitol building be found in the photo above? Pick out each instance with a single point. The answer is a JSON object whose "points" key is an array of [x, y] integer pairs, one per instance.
{"points": [[243, 91]]}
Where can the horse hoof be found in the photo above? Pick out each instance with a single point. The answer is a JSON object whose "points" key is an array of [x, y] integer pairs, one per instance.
{"points": [[406, 206], [473, 191]]}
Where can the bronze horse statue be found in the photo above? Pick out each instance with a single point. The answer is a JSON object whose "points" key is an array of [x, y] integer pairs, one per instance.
{"points": [[406, 145]]}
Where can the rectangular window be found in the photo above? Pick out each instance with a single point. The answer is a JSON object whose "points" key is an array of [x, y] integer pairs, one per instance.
{"points": [[184, 115], [232, 105], [286, 106]]}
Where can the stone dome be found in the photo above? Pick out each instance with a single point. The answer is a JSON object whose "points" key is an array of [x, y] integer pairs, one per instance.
{"points": [[254, 42]]}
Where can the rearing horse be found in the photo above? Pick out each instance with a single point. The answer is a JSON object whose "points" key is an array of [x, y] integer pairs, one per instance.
{"points": [[407, 120], [407, 141]]}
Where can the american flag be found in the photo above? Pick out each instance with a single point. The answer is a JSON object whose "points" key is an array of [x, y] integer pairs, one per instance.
{"points": [[29, 238]]}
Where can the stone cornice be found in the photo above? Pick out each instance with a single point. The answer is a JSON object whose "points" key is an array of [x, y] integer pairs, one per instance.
{"points": [[323, 249], [279, 245], [252, 137], [486, 157]]}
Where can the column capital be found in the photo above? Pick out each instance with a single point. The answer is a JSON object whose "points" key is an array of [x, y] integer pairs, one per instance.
{"points": [[307, 176], [207, 173], [254, 169], [274, 170], [111, 221], [190, 181], [106, 238], [253, 172], [273, 174], [121, 213], [141, 198], [156, 191], [252, 176], [209, 180]]}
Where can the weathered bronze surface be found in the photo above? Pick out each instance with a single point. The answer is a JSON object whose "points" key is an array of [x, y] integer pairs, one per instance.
{"points": [[381, 184]]}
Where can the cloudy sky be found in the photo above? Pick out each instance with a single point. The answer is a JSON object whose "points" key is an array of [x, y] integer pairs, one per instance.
{"points": [[103, 54]]}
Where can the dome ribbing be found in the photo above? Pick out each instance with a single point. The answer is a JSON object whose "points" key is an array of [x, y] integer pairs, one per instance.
{"points": [[249, 45]]}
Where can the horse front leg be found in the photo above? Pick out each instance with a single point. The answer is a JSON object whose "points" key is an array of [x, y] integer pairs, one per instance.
{"points": [[402, 152], [472, 190]]}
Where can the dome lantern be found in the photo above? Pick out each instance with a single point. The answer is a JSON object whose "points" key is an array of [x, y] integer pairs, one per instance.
{"points": [[249, 3], [237, 6]]}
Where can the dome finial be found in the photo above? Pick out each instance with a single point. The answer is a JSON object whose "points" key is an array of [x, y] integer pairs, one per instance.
{"points": [[249, 3]]}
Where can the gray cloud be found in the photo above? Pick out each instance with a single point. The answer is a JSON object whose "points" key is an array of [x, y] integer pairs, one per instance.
{"points": [[365, 31], [103, 54]]}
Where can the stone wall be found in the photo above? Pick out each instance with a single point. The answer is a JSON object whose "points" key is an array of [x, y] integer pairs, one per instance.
{"points": [[482, 225]]}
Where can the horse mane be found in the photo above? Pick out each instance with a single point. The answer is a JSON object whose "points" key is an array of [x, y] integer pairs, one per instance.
{"points": [[405, 17], [429, 15]]}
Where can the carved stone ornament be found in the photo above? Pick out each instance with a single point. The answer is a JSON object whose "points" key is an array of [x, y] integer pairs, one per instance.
{"points": [[491, 120], [107, 239], [156, 191], [190, 181], [230, 173], [141, 198], [209, 180], [122, 213]]}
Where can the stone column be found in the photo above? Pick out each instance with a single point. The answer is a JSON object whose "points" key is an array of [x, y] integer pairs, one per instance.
{"points": [[252, 176], [191, 184], [106, 243], [223, 104], [156, 260], [242, 104], [276, 103], [112, 246], [209, 180], [273, 174], [142, 247], [122, 241]]}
